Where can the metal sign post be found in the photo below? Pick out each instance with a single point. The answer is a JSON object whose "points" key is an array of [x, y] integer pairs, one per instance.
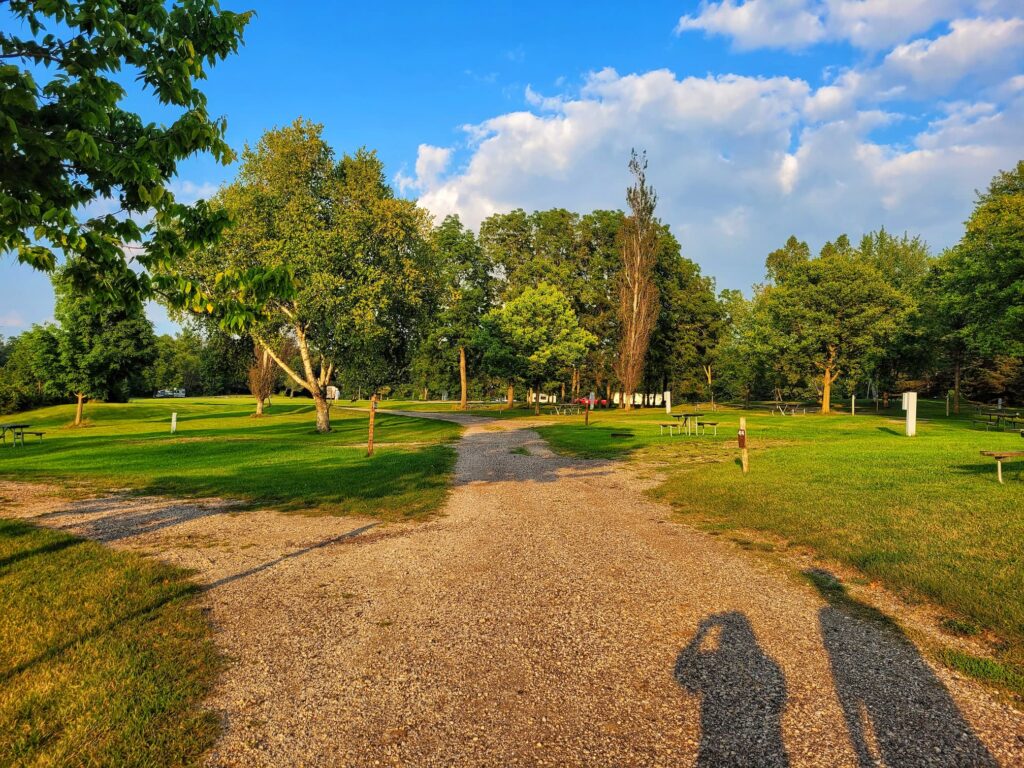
{"points": [[668, 402]]}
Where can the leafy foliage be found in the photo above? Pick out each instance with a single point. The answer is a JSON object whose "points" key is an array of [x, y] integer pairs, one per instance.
{"points": [[68, 145]]}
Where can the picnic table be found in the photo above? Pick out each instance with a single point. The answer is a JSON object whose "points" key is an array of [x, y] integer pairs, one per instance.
{"points": [[18, 432], [999, 419], [788, 409], [1001, 456], [688, 421]]}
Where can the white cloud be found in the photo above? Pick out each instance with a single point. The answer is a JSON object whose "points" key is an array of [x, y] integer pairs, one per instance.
{"points": [[871, 25], [12, 320], [759, 23], [979, 53], [736, 163], [186, 191]]}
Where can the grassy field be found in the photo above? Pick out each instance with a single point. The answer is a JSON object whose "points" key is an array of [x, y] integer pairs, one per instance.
{"points": [[104, 656], [220, 450], [923, 515]]}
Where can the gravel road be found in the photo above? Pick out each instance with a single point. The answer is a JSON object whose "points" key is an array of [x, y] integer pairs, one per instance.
{"points": [[553, 615]]}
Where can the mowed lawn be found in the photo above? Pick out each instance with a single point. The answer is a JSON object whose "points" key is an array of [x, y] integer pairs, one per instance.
{"points": [[104, 656], [924, 515], [220, 450]]}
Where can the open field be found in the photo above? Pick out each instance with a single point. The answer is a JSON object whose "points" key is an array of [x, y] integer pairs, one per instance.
{"points": [[220, 450], [924, 515], [104, 656]]}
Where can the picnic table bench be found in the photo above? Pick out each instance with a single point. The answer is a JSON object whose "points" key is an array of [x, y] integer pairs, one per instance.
{"points": [[671, 426], [705, 425], [687, 421]]}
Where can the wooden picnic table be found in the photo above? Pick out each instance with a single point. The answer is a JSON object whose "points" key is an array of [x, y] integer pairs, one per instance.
{"points": [[17, 431], [689, 420]]}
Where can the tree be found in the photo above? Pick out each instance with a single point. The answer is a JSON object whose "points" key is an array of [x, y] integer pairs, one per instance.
{"points": [[535, 335], [986, 269], [29, 361], [262, 377], [466, 294], [638, 295], [782, 261], [100, 351], [355, 256], [830, 316], [67, 143]]}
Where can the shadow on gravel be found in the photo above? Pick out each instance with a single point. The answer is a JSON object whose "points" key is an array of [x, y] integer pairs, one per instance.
{"points": [[742, 694], [898, 712], [113, 518]]}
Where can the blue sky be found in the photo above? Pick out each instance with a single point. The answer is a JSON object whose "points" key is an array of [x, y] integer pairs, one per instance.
{"points": [[760, 118]]}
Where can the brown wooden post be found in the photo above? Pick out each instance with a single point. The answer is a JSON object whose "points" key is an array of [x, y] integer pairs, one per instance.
{"points": [[373, 414], [742, 437]]}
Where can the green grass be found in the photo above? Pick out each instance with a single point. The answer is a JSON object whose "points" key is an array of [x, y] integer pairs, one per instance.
{"points": [[220, 450], [924, 515], [104, 656]]}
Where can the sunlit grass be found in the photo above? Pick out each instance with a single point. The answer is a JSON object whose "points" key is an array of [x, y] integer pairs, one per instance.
{"points": [[104, 656], [220, 450]]}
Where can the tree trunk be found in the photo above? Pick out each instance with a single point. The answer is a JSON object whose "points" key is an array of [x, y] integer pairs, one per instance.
{"points": [[826, 390], [956, 384], [426, 394], [536, 402], [464, 400], [79, 408], [259, 407], [323, 413], [627, 400], [511, 396], [608, 391], [563, 391], [373, 418]]}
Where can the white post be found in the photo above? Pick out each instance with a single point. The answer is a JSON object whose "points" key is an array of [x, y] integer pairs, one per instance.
{"points": [[174, 422], [668, 402], [853, 405], [910, 406]]}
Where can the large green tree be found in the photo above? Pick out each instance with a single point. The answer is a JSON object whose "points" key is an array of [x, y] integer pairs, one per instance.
{"points": [[537, 335], [102, 351], [466, 288], [986, 269], [68, 142], [829, 317], [356, 258]]}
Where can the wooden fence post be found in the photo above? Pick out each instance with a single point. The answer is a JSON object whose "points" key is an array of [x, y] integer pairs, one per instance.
{"points": [[373, 414]]}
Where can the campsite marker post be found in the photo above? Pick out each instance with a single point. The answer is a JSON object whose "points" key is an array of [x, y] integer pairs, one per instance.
{"points": [[741, 438], [910, 406], [174, 422]]}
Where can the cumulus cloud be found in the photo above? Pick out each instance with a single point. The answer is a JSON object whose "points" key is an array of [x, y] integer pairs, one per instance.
{"points": [[867, 24], [739, 162]]}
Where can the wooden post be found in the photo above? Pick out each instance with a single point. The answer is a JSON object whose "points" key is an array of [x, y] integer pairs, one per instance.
{"points": [[853, 405], [742, 437], [373, 414], [947, 403], [174, 422]]}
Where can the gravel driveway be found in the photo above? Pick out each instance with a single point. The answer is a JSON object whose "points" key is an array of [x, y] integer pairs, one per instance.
{"points": [[551, 616]]}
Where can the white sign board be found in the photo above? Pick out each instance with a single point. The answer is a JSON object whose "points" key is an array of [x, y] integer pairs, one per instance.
{"points": [[668, 402]]}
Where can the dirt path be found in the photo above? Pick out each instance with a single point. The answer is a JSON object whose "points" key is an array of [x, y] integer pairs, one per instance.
{"points": [[551, 616]]}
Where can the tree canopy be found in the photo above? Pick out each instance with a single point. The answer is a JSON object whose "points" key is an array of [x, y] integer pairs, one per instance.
{"points": [[71, 150]]}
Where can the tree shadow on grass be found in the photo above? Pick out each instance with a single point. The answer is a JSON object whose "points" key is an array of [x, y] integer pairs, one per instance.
{"points": [[742, 690], [897, 710]]}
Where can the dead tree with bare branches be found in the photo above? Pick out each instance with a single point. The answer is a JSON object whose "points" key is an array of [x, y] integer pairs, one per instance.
{"points": [[262, 377], [638, 295]]}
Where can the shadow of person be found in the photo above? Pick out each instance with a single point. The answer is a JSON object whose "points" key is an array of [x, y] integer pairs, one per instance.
{"points": [[742, 694], [899, 714]]}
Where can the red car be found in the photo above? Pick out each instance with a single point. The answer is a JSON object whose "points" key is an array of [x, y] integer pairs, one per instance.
{"points": [[598, 403]]}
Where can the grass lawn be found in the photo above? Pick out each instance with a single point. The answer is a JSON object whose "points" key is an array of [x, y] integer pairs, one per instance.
{"points": [[220, 450], [104, 656], [924, 515]]}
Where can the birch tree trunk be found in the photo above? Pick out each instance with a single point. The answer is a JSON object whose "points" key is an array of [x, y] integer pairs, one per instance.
{"points": [[79, 408]]}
